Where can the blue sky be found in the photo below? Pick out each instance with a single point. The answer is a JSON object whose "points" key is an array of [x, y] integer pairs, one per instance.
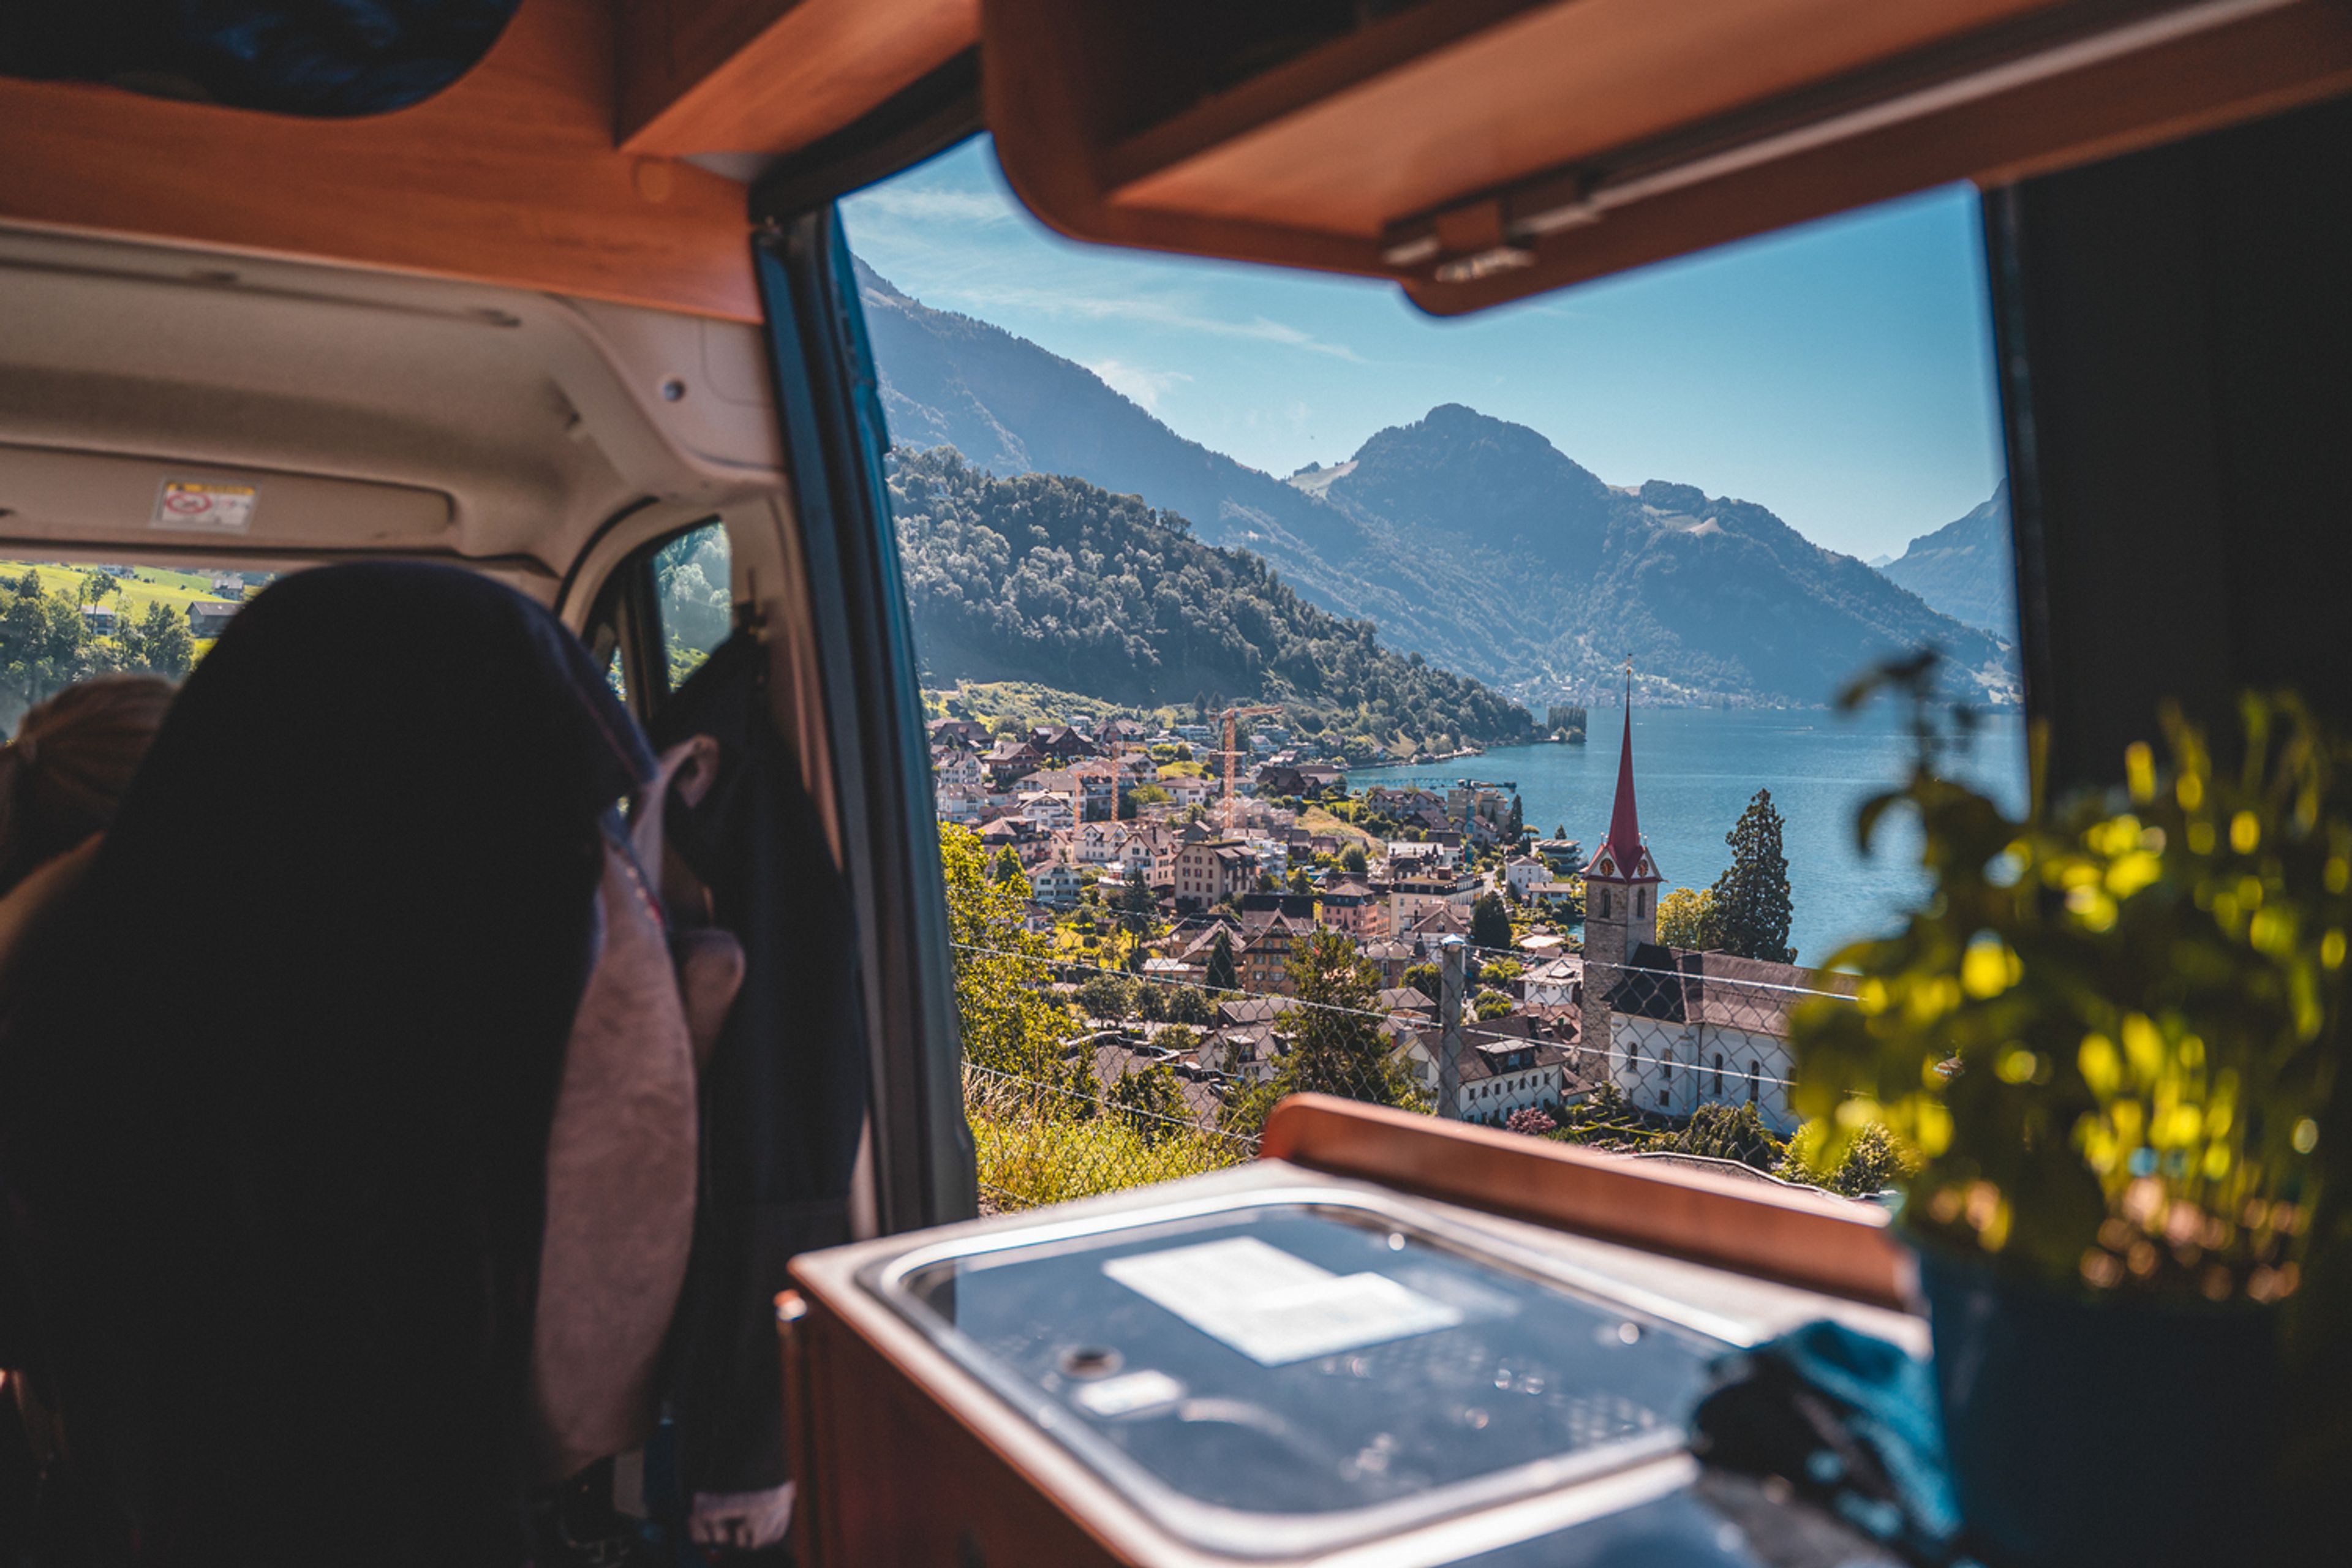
{"points": [[1840, 373]]}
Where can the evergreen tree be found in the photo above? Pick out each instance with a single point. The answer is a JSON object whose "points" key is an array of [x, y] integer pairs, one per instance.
{"points": [[1335, 1043], [1136, 905], [1490, 922], [1220, 975], [1008, 867], [1752, 911], [1351, 859], [1515, 826]]}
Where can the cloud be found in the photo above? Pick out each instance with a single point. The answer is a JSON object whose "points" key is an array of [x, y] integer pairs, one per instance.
{"points": [[933, 205], [1150, 310], [1145, 386]]}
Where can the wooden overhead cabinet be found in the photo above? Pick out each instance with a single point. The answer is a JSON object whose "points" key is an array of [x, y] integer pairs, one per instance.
{"points": [[1480, 150]]}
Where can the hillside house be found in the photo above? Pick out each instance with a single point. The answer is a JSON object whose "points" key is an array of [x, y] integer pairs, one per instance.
{"points": [[1408, 999], [1522, 872], [1413, 896], [962, 735], [1055, 883], [965, 806], [1391, 957], [1061, 743], [1211, 870], [1263, 957], [1555, 983], [1189, 789], [1049, 810], [1098, 843], [1508, 1065], [210, 617], [1345, 903]]}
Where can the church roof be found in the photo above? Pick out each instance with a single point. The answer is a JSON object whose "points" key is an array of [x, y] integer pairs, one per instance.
{"points": [[1676, 986]]}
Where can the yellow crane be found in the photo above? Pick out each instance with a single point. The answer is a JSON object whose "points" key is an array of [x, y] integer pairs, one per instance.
{"points": [[1230, 716]]}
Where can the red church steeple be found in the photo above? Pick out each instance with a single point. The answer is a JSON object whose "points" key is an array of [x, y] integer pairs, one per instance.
{"points": [[1623, 857], [1624, 823]]}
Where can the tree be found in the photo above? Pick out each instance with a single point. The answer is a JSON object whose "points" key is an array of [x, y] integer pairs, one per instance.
{"points": [[1220, 975], [1008, 868], [1000, 966], [1515, 826], [1493, 1004], [1105, 996], [45, 643], [1873, 1161], [1427, 979], [1334, 1039], [1752, 897], [1151, 1100], [1299, 881], [1137, 907], [1490, 922], [1727, 1132], [97, 587], [163, 645], [1686, 918], [1351, 859], [1188, 1005]]}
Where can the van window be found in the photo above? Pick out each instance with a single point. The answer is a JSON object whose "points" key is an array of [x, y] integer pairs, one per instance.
{"points": [[63, 621], [1273, 636], [691, 586]]}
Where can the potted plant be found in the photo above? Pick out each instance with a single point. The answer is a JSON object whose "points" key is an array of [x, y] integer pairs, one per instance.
{"points": [[2110, 1039]]}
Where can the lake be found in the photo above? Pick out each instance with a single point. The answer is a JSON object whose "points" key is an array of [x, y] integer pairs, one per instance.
{"points": [[1694, 770]]}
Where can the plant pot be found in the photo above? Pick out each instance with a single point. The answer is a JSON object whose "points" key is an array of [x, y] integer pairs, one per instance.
{"points": [[2081, 1431]]}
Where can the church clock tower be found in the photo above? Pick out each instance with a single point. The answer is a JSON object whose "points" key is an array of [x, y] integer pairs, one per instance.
{"points": [[1620, 897]]}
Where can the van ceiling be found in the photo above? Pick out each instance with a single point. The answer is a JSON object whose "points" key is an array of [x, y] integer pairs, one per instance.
{"points": [[527, 418]]}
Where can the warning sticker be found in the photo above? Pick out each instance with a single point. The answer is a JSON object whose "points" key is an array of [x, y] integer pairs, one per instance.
{"points": [[200, 506], [1273, 1306]]}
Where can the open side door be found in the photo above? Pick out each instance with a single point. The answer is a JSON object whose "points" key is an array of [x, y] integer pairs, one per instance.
{"points": [[920, 1162]]}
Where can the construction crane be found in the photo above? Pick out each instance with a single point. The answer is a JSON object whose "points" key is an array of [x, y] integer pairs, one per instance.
{"points": [[1230, 715]]}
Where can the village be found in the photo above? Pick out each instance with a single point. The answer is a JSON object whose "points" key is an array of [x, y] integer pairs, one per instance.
{"points": [[1175, 877]]}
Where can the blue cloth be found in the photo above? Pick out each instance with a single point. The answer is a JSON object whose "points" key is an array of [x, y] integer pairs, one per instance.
{"points": [[1850, 1421]]}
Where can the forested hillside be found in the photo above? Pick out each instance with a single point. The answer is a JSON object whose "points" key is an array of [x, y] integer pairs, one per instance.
{"points": [[1051, 579]]}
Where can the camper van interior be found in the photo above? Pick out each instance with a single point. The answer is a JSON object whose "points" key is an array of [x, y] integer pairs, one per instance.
{"points": [[496, 1092]]}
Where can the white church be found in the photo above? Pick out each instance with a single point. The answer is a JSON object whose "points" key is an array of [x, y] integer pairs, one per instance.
{"points": [[1676, 1029]]}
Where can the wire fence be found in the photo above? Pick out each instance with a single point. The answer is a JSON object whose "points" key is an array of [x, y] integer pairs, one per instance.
{"points": [[1160, 1076]]}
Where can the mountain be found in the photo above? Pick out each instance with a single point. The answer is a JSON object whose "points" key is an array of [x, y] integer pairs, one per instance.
{"points": [[1966, 568], [1050, 579], [1465, 538]]}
